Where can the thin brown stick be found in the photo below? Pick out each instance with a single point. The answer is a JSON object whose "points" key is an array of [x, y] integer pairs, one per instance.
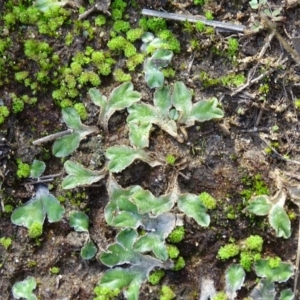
{"points": [[182, 17], [52, 137]]}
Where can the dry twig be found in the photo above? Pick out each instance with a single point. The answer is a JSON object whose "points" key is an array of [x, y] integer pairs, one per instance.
{"points": [[181, 17]]}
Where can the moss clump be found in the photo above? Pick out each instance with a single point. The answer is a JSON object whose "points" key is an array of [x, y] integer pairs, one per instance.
{"points": [[80, 108], [274, 262], [253, 186], [120, 43], [54, 270], [209, 15], [233, 80], [199, 2], [120, 76], [228, 251], [254, 243], [168, 72], [5, 242], [100, 20], [200, 26], [134, 34], [233, 47], [208, 201], [153, 24], [35, 230], [173, 251], [170, 159], [105, 293], [179, 264], [247, 259], [166, 293], [176, 235], [4, 113], [23, 169], [121, 26], [134, 60], [155, 276], [220, 296], [22, 75]]}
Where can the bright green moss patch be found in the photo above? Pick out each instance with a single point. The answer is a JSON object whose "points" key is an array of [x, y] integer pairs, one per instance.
{"points": [[176, 235], [167, 293], [208, 201], [35, 230], [5, 242], [155, 276], [228, 251], [80, 108], [23, 169], [254, 243], [4, 113]]}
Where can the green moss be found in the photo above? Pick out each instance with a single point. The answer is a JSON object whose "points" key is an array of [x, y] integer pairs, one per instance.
{"points": [[120, 76], [199, 2], [233, 46], [22, 75], [100, 20], [54, 270], [69, 39], [230, 212], [274, 262], [80, 108], [81, 59], [17, 105], [170, 159], [129, 49], [121, 26], [76, 68], [134, 34], [98, 57], [228, 251], [116, 43], [155, 276], [292, 215], [179, 264], [173, 251], [23, 169], [5, 242], [208, 201], [9, 19], [254, 243], [168, 72], [176, 235], [4, 113], [234, 80], [166, 293], [253, 186], [264, 89], [120, 4], [208, 15], [116, 14], [156, 24], [35, 230], [200, 26], [220, 296], [105, 293], [8, 208], [297, 103], [31, 264], [134, 60]]}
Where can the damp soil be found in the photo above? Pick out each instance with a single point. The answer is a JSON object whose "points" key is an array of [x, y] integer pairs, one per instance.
{"points": [[216, 157]]}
